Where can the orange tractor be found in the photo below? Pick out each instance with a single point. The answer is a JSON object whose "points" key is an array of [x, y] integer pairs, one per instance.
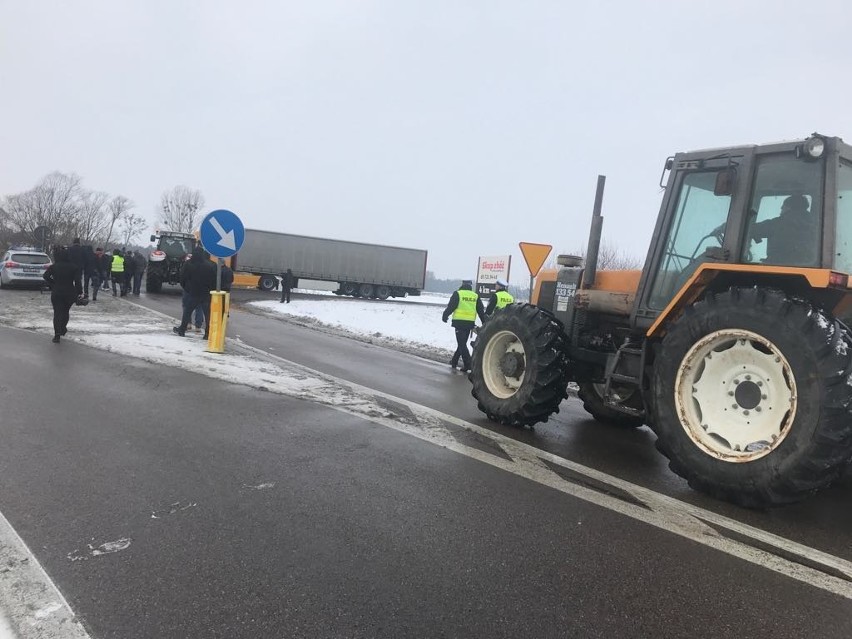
{"points": [[732, 343]]}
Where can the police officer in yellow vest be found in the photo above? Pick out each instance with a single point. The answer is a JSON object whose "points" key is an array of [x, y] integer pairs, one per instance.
{"points": [[464, 306], [117, 273], [500, 299]]}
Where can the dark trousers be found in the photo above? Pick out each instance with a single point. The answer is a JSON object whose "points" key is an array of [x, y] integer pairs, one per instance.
{"points": [[105, 280], [285, 294], [462, 335], [137, 283], [95, 280], [118, 278], [61, 312], [190, 303], [199, 311], [128, 282]]}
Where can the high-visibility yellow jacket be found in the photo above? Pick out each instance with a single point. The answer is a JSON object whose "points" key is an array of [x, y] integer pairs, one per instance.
{"points": [[503, 298], [117, 264], [466, 310]]}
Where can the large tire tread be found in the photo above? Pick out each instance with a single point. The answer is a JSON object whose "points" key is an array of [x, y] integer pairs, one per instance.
{"points": [[593, 404], [817, 460], [546, 381]]}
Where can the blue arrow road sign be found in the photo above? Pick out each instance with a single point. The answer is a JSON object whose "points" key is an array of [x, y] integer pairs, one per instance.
{"points": [[222, 233]]}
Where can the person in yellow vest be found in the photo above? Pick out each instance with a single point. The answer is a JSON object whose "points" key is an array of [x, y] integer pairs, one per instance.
{"points": [[500, 299], [464, 306], [117, 273]]}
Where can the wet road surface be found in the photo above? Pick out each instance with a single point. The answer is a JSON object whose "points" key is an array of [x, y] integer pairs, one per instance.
{"points": [[248, 514]]}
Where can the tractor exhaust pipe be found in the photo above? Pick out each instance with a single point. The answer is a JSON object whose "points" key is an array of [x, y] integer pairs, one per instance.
{"points": [[593, 249]]}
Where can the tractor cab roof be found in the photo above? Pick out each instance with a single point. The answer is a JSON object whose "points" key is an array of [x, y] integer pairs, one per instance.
{"points": [[771, 147]]}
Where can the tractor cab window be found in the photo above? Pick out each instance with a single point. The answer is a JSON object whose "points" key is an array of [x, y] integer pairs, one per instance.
{"points": [[784, 222], [843, 243], [697, 225], [175, 247]]}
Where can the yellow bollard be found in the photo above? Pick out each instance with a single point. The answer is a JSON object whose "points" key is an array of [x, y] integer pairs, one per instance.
{"points": [[220, 306]]}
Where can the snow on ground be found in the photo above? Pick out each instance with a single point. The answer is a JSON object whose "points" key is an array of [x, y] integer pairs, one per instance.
{"points": [[415, 324], [424, 298], [119, 326]]}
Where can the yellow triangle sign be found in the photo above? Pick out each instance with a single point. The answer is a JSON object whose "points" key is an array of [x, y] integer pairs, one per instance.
{"points": [[535, 255]]}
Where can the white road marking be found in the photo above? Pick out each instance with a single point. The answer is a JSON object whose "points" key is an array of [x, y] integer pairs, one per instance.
{"points": [[31, 603], [762, 548], [751, 544]]}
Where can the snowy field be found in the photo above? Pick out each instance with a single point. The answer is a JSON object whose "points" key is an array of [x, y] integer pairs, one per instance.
{"points": [[416, 324]]}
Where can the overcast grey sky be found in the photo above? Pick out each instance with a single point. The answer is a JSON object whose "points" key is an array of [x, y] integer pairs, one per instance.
{"points": [[457, 127]]}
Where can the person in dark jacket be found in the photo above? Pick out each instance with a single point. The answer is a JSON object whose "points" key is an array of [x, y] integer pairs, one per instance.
{"points": [[90, 273], [63, 276], [102, 264], [501, 299], [75, 254], [129, 271], [140, 266], [287, 281], [464, 306], [227, 278], [198, 278]]}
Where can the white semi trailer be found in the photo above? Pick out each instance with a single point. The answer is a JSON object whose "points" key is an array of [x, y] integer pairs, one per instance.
{"points": [[361, 270]]}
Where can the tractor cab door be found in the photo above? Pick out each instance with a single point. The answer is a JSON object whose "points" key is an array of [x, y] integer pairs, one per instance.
{"points": [[700, 197]]}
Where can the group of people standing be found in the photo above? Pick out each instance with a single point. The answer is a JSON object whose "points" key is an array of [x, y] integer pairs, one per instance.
{"points": [[464, 306], [123, 268]]}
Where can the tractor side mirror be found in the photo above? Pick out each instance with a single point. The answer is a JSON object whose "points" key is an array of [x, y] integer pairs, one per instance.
{"points": [[153, 238], [725, 181]]}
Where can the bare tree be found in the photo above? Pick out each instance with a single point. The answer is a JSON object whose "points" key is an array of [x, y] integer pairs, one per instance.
{"points": [[131, 226], [614, 258], [117, 209], [179, 208], [610, 258], [53, 203], [92, 218]]}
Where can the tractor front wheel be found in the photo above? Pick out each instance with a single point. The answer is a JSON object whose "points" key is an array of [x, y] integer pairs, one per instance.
{"points": [[520, 370], [751, 400]]}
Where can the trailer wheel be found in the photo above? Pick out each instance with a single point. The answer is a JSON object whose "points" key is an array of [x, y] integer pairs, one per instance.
{"points": [[592, 397], [267, 283], [520, 371], [349, 288], [383, 292], [751, 400], [153, 283], [366, 290]]}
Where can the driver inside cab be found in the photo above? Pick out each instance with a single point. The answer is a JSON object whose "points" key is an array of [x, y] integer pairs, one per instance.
{"points": [[791, 238]]}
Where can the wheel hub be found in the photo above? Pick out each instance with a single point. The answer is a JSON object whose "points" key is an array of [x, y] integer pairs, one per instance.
{"points": [[512, 364], [747, 395], [504, 364]]}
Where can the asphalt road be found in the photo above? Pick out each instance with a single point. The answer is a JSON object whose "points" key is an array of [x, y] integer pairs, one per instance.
{"points": [[249, 514], [823, 522]]}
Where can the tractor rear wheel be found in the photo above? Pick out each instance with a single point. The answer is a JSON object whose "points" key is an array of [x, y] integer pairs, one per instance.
{"points": [[751, 400], [592, 397], [520, 369], [153, 283]]}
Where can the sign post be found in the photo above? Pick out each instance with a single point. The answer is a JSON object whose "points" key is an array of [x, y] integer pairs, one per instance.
{"points": [[492, 268], [534, 255], [222, 234]]}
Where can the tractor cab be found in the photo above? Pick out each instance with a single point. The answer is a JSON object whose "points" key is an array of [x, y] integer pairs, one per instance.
{"points": [[743, 216]]}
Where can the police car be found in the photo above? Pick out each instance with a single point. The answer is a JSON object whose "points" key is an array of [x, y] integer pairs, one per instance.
{"points": [[23, 266]]}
